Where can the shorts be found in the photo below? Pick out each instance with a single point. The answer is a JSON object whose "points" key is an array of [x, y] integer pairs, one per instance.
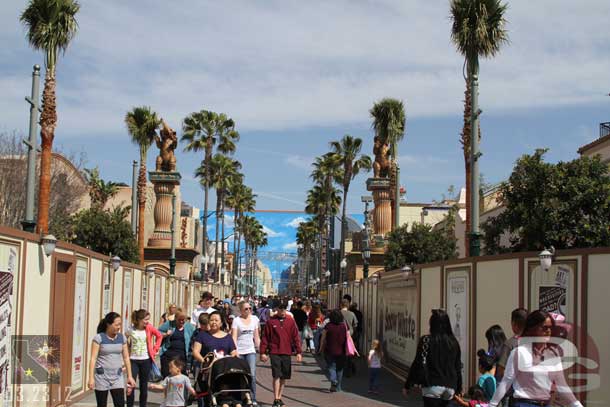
{"points": [[281, 366]]}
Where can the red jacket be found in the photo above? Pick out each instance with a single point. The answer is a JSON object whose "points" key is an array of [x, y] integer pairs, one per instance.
{"points": [[151, 332], [280, 337]]}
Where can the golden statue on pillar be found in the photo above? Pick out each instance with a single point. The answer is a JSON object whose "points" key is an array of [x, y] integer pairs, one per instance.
{"points": [[167, 143]]}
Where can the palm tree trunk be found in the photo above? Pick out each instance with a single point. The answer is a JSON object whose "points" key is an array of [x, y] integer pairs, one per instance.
{"points": [[206, 193], [216, 270], [141, 203], [48, 122], [222, 241], [343, 225]]}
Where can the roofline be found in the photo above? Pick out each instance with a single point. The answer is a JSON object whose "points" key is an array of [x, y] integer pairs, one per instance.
{"points": [[594, 143]]}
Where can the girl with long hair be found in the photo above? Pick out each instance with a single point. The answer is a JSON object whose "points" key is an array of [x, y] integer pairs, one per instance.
{"points": [[534, 368], [144, 342], [437, 366]]}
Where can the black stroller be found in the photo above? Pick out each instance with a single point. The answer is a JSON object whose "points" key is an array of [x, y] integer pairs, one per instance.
{"points": [[225, 381]]}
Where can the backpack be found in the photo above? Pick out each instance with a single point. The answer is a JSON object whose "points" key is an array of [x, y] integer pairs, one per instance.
{"points": [[263, 315]]}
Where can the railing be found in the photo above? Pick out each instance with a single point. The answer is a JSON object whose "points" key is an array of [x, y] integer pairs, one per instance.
{"points": [[604, 129]]}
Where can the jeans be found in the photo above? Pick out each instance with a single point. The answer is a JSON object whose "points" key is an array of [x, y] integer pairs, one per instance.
{"points": [[374, 378], [251, 359], [523, 404], [335, 369], [118, 397], [434, 402], [141, 369]]}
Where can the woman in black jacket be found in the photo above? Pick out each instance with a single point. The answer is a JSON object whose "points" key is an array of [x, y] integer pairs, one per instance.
{"points": [[437, 366]]}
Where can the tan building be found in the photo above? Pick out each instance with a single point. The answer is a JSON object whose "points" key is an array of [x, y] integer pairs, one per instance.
{"points": [[600, 147]]}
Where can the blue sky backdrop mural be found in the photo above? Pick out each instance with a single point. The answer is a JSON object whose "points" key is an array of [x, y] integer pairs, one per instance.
{"points": [[281, 228]]}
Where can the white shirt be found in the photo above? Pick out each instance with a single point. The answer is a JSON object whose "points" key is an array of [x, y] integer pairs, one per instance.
{"points": [[374, 360], [198, 311], [245, 334], [139, 350], [533, 378]]}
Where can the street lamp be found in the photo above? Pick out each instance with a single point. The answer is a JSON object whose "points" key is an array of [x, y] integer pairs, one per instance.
{"points": [[115, 262], [406, 271], [150, 271], [343, 266], [546, 258], [49, 242]]}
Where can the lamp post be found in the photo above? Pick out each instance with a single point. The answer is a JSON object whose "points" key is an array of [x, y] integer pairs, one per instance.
{"points": [[366, 249], [29, 224], [172, 258], [343, 266]]}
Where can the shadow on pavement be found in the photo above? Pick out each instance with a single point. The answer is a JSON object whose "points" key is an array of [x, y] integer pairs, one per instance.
{"points": [[390, 387]]}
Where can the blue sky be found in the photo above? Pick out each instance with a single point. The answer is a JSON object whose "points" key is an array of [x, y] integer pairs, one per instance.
{"points": [[295, 75]]}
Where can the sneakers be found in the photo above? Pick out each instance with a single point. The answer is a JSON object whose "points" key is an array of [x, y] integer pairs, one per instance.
{"points": [[277, 403], [333, 387]]}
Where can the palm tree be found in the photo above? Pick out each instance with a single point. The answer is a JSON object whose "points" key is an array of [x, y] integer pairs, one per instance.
{"points": [[223, 173], [100, 191], [348, 149], [323, 203], [307, 233], [51, 25], [254, 237], [201, 131], [478, 29], [389, 122], [142, 124], [242, 200]]}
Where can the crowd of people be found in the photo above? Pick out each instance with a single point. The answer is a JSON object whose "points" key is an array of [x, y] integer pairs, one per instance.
{"points": [[276, 329], [523, 371], [242, 327]]}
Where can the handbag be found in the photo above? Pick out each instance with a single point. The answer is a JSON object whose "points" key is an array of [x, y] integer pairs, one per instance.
{"points": [[155, 374], [307, 332], [350, 348], [421, 375]]}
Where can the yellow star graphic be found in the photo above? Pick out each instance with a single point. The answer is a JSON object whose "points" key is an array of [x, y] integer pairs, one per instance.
{"points": [[29, 372]]}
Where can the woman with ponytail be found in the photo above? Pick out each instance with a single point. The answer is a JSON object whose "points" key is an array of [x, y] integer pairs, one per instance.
{"points": [[144, 343], [109, 353]]}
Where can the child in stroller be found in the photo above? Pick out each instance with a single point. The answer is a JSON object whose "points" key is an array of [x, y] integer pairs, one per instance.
{"points": [[225, 382]]}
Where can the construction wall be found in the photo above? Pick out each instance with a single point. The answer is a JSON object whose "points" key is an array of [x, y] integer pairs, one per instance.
{"points": [[65, 295], [480, 292]]}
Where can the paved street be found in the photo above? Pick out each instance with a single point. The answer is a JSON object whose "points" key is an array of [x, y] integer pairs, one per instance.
{"points": [[309, 388]]}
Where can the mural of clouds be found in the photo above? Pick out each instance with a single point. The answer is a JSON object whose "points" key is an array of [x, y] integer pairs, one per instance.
{"points": [[272, 233], [295, 222], [290, 246]]}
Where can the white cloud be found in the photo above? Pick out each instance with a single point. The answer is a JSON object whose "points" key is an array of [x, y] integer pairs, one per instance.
{"points": [[296, 222], [290, 246], [272, 233], [279, 65]]}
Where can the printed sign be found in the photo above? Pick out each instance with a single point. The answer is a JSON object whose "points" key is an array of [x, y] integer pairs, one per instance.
{"points": [[8, 268], [552, 299], [457, 308], [399, 310], [80, 313]]}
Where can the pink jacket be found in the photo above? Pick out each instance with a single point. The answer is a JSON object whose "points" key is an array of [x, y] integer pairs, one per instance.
{"points": [[153, 348]]}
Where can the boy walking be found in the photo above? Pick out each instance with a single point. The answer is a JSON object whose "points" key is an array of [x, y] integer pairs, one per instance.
{"points": [[280, 336]]}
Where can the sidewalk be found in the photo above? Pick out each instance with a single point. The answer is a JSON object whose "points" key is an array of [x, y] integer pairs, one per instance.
{"points": [[309, 387]]}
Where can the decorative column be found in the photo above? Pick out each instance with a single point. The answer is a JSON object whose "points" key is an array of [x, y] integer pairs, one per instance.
{"points": [[382, 197], [165, 183]]}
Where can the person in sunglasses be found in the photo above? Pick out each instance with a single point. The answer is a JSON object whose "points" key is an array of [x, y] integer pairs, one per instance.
{"points": [[245, 332]]}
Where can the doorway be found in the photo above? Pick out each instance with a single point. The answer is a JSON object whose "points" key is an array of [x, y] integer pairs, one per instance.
{"points": [[61, 323]]}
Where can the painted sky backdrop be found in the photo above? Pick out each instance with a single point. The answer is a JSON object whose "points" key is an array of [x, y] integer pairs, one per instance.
{"points": [[295, 75], [281, 227]]}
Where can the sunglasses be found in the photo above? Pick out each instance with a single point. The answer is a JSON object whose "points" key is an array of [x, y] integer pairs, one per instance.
{"points": [[247, 309]]}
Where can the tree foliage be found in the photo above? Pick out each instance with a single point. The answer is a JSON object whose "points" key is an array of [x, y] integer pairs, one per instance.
{"points": [[419, 245], [101, 231], [566, 205]]}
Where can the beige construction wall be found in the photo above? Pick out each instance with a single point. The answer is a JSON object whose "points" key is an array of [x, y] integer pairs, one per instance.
{"points": [[31, 299]]}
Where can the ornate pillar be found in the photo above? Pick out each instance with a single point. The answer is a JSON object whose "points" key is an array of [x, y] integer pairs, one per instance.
{"points": [[165, 182], [382, 213]]}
